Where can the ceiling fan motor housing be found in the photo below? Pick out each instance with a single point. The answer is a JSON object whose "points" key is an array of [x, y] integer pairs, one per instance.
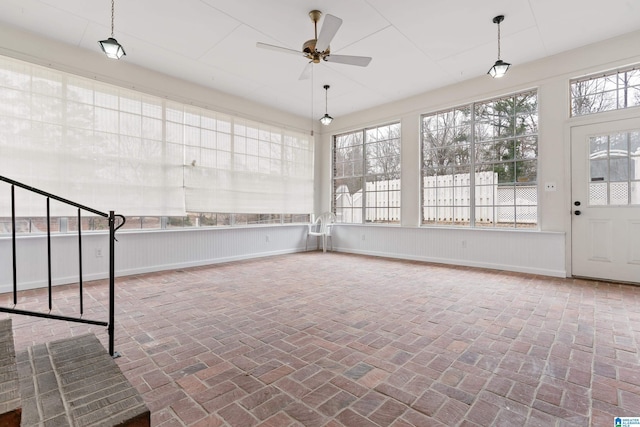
{"points": [[309, 49]]}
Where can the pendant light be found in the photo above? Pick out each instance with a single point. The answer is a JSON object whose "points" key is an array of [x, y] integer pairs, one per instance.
{"points": [[326, 119], [110, 46], [500, 68]]}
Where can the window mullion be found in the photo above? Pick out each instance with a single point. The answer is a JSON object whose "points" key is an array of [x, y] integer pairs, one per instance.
{"points": [[364, 176], [629, 168], [472, 168]]}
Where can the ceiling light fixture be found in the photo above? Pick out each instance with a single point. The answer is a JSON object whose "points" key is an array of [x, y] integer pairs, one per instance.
{"points": [[500, 68], [326, 119], [110, 46]]}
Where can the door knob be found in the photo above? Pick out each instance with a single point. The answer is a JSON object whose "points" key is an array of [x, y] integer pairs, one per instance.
{"points": [[577, 203], [577, 212]]}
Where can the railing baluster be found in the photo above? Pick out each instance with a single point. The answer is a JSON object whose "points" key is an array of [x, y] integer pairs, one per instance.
{"points": [[49, 248], [112, 230], [112, 287], [80, 260], [13, 245]]}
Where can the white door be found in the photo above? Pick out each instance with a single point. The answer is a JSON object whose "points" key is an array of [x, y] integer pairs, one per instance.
{"points": [[605, 205]]}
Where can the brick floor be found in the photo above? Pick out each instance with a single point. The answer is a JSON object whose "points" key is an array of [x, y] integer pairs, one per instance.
{"points": [[332, 340]]}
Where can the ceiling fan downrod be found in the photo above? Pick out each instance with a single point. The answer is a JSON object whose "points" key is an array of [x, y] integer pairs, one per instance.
{"points": [[309, 47]]}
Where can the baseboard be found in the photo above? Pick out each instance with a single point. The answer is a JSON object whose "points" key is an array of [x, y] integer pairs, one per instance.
{"points": [[203, 262], [459, 262], [24, 286]]}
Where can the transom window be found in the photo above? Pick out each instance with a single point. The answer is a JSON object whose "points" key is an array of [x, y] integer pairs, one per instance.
{"points": [[479, 164], [366, 175], [614, 90]]}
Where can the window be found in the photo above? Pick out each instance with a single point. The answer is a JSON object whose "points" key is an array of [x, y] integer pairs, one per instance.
{"points": [[240, 166], [145, 157], [479, 164], [605, 92], [38, 225], [366, 175], [614, 163]]}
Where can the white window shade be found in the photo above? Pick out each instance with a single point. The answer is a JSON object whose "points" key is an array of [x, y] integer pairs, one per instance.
{"points": [[111, 148], [238, 192], [88, 142], [239, 166]]}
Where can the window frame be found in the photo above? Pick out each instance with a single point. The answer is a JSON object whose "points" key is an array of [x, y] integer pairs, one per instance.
{"points": [[388, 208]]}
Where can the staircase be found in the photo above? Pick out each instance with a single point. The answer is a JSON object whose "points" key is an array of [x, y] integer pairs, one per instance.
{"points": [[70, 382]]}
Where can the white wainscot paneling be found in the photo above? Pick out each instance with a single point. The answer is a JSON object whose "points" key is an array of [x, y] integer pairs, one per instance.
{"points": [[140, 252], [147, 251], [634, 242], [534, 252]]}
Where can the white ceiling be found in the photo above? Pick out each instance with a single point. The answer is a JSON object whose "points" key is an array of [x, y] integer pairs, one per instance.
{"points": [[416, 45]]}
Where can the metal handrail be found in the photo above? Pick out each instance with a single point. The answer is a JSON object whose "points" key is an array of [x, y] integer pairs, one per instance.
{"points": [[112, 230], [54, 197]]}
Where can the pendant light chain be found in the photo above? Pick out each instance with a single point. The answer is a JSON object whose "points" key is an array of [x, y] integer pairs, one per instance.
{"points": [[326, 100], [113, 10], [498, 40]]}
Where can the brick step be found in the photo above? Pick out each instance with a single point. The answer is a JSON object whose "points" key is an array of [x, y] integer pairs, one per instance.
{"points": [[10, 408], [74, 382], [71, 382]]}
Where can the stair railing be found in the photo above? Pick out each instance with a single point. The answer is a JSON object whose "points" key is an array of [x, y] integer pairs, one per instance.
{"points": [[111, 216]]}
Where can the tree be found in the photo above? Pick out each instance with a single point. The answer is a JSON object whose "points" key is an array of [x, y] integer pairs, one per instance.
{"points": [[383, 153], [589, 96], [628, 82], [510, 126], [446, 139], [349, 161]]}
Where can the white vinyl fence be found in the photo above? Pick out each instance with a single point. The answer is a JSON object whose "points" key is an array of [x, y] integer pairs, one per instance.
{"points": [[446, 199], [383, 203]]}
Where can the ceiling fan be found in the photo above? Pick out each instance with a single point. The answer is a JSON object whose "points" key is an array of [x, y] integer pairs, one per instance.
{"points": [[317, 49]]}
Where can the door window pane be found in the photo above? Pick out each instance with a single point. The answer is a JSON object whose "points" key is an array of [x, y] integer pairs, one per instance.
{"points": [[614, 163]]}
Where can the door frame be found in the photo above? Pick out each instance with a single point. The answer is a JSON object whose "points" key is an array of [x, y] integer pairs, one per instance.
{"points": [[575, 122]]}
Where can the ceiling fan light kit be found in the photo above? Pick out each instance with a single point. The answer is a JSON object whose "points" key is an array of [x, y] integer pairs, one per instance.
{"points": [[500, 68]]}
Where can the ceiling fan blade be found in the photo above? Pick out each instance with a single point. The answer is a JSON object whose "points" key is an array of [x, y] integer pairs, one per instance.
{"points": [[306, 72], [329, 29], [279, 49], [360, 61]]}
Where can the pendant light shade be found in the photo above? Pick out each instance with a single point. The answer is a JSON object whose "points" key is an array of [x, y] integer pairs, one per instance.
{"points": [[110, 46], [500, 68], [326, 119]]}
